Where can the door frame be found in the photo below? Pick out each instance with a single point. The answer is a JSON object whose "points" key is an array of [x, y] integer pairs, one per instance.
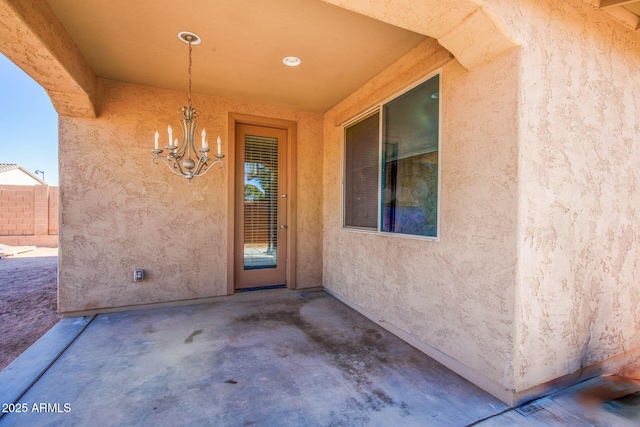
{"points": [[291, 128]]}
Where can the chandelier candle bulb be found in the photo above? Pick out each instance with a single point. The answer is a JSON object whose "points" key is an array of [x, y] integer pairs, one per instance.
{"points": [[170, 134], [156, 137], [204, 141], [219, 142]]}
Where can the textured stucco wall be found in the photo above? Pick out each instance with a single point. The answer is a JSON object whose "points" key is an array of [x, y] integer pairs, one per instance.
{"points": [[120, 212], [535, 274], [579, 246], [455, 295], [34, 39]]}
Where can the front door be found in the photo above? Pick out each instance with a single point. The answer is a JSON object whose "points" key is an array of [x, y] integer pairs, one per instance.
{"points": [[261, 214]]}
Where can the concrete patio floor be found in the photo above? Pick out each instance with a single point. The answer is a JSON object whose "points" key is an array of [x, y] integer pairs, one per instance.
{"points": [[269, 358]]}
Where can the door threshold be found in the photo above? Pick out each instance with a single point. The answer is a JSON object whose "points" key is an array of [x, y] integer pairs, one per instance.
{"points": [[261, 288]]}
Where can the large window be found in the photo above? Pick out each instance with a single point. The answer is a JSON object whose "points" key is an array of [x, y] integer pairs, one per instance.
{"points": [[391, 165]]}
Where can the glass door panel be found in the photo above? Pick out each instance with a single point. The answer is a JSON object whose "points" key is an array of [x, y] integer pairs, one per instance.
{"points": [[260, 202]]}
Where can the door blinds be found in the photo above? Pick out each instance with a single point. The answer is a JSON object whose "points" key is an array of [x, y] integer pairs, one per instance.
{"points": [[260, 202]]}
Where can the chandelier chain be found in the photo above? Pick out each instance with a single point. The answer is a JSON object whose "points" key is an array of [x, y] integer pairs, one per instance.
{"points": [[189, 73]]}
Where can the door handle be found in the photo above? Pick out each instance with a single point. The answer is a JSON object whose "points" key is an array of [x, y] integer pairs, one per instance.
{"points": [[283, 226]]}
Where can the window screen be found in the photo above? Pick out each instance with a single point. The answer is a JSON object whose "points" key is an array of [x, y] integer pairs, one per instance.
{"points": [[361, 173]]}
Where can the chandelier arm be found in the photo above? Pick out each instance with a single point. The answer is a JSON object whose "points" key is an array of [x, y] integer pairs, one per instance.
{"points": [[209, 166], [177, 166], [182, 149], [173, 161], [202, 161], [204, 170], [171, 167], [201, 169]]}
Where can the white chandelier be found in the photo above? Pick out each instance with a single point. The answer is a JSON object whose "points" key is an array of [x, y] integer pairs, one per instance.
{"points": [[185, 159]]}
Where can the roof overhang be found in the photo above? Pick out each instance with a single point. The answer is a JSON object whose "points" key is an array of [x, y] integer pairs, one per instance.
{"points": [[67, 45]]}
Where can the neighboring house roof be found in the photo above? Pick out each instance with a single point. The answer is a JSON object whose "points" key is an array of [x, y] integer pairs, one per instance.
{"points": [[6, 168]]}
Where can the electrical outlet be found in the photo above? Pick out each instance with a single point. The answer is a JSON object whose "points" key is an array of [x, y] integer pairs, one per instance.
{"points": [[138, 275]]}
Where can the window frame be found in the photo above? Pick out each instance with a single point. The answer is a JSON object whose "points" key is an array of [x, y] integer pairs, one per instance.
{"points": [[378, 108]]}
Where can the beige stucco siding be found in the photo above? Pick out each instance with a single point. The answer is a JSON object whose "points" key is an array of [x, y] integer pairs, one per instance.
{"points": [[455, 296], [579, 293], [534, 275], [121, 212]]}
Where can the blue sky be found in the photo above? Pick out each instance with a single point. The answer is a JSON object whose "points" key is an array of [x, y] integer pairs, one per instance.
{"points": [[28, 123]]}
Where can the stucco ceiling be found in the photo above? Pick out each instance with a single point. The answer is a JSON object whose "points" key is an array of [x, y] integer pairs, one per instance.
{"points": [[243, 44]]}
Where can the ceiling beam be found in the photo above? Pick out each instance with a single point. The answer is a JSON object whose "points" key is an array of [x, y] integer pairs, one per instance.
{"points": [[623, 15], [613, 3], [463, 27], [33, 38]]}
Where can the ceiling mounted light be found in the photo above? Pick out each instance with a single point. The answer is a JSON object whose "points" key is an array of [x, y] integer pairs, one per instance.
{"points": [[292, 61], [179, 156]]}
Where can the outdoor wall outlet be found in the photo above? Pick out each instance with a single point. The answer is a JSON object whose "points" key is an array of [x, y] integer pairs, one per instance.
{"points": [[138, 275]]}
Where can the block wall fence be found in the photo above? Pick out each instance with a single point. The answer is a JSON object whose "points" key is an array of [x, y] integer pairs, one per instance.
{"points": [[29, 215]]}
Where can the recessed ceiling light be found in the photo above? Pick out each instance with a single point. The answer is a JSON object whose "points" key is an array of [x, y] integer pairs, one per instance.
{"points": [[292, 61]]}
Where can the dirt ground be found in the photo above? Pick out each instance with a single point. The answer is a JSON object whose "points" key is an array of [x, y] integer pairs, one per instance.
{"points": [[28, 298]]}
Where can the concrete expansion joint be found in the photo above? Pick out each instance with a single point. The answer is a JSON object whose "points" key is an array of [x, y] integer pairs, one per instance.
{"points": [[20, 380], [480, 421]]}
